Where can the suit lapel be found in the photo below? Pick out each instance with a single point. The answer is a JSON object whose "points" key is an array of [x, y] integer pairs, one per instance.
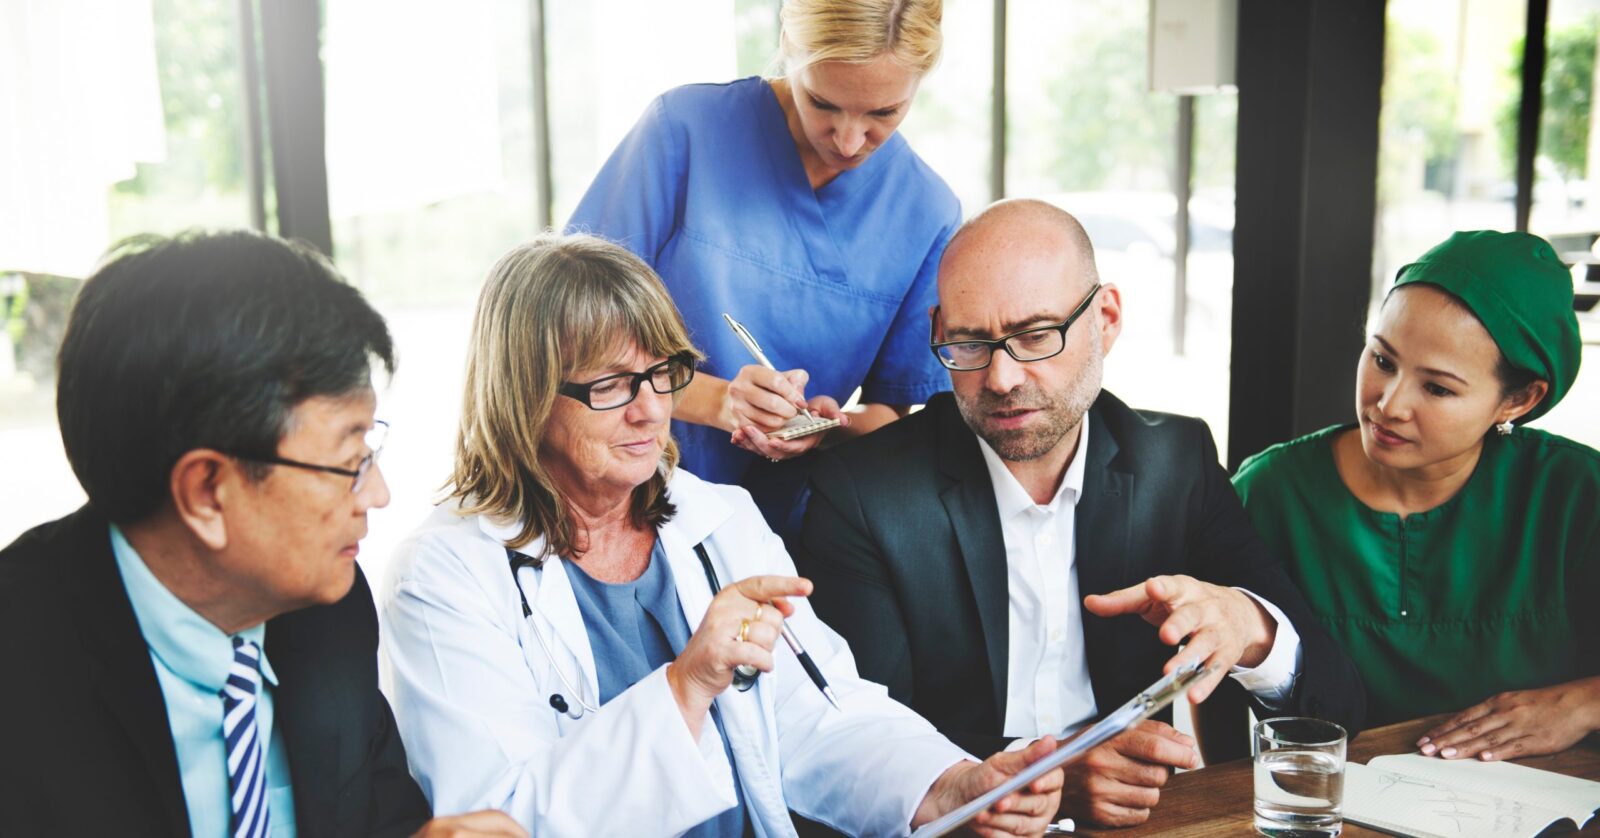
{"points": [[125, 679], [312, 748], [1103, 525], [969, 500]]}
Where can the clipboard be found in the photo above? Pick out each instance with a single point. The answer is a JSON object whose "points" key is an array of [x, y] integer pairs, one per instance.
{"points": [[1142, 706]]}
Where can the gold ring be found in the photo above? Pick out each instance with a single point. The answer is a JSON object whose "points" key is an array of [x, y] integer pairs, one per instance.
{"points": [[744, 631], [760, 607]]}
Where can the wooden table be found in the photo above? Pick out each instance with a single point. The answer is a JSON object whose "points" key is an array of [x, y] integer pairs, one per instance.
{"points": [[1216, 800]]}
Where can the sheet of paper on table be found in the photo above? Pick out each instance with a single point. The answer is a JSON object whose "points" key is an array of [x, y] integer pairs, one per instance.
{"points": [[1410, 794]]}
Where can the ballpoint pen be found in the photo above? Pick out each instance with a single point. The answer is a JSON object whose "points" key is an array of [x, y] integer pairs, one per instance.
{"points": [[809, 665], [749, 342], [745, 676]]}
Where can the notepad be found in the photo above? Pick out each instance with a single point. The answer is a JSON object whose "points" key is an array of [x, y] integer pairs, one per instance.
{"points": [[799, 426], [1410, 794]]}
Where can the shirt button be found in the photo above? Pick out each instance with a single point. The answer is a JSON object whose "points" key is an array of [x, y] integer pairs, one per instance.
{"points": [[1055, 636]]}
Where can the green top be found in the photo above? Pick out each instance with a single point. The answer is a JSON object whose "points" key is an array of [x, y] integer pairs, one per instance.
{"points": [[1496, 589]]}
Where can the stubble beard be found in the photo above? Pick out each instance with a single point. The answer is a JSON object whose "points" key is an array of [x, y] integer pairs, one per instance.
{"points": [[1061, 411]]}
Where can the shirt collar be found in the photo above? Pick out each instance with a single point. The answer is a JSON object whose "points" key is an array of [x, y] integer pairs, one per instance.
{"points": [[185, 642], [1012, 500]]}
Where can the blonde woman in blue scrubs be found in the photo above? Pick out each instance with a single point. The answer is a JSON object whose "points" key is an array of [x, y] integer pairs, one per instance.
{"points": [[792, 204]]}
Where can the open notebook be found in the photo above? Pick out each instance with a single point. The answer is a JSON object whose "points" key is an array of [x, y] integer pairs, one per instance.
{"points": [[1410, 794]]}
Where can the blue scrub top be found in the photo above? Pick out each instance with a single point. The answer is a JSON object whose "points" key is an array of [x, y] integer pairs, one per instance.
{"points": [[634, 628], [709, 189]]}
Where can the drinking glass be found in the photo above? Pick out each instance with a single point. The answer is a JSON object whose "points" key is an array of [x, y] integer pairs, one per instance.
{"points": [[1299, 777]]}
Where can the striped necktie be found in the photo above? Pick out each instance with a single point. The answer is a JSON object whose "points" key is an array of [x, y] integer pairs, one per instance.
{"points": [[247, 763]]}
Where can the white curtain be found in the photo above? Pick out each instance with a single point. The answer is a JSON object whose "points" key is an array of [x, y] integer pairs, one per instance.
{"points": [[80, 103]]}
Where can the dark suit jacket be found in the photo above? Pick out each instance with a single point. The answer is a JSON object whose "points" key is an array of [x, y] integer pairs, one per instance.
{"points": [[902, 538], [85, 748]]}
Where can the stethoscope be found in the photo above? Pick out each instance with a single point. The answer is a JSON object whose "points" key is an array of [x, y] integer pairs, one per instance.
{"points": [[744, 677], [558, 702]]}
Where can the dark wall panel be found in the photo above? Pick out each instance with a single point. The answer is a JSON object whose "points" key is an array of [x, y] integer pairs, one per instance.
{"points": [[1310, 75]]}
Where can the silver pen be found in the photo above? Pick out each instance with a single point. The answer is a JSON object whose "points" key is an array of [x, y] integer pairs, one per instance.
{"points": [[809, 665], [749, 342]]}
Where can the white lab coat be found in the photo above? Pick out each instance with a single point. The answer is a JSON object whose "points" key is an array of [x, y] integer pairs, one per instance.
{"points": [[472, 694]]}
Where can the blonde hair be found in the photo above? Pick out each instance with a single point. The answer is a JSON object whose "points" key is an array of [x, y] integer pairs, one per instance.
{"points": [[858, 31], [550, 307]]}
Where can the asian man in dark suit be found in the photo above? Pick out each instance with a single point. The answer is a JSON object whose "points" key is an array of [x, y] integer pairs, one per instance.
{"points": [[194, 651], [954, 549]]}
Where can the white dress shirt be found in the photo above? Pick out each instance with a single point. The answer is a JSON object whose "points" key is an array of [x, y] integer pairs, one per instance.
{"points": [[1047, 672]]}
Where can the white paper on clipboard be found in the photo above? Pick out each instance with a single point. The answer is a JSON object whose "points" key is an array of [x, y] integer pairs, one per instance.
{"points": [[1142, 706]]}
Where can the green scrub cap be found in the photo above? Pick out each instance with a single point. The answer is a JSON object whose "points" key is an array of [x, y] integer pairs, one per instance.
{"points": [[1521, 293]]}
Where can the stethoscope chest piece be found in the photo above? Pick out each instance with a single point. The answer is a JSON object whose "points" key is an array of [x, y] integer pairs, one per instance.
{"points": [[559, 703]]}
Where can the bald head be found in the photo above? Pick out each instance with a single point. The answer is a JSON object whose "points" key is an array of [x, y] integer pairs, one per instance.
{"points": [[1023, 271], [1018, 230]]}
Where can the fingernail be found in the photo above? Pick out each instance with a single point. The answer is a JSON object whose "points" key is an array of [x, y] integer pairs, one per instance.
{"points": [[1448, 752], [1486, 756], [1424, 740], [1428, 749]]}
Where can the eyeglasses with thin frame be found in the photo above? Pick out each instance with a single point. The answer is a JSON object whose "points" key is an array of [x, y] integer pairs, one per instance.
{"points": [[614, 391], [1035, 344], [374, 439]]}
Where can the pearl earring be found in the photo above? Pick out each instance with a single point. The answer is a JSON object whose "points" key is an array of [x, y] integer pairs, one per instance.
{"points": [[1504, 428]]}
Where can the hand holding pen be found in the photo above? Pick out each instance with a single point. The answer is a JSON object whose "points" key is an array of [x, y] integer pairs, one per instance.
{"points": [[740, 628], [759, 607], [761, 399]]}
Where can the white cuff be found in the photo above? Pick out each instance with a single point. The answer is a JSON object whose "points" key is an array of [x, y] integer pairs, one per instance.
{"points": [[714, 756], [1273, 679], [1019, 744]]}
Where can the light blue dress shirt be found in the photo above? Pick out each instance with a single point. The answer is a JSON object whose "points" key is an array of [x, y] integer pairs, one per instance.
{"points": [[192, 657]]}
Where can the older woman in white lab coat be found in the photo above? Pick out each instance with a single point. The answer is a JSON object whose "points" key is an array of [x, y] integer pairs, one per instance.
{"points": [[558, 649]]}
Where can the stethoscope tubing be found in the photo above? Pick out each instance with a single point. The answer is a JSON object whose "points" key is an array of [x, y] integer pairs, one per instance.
{"points": [[744, 677], [558, 702]]}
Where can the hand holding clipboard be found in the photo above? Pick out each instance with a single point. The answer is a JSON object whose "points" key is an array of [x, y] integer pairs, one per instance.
{"points": [[1142, 706]]}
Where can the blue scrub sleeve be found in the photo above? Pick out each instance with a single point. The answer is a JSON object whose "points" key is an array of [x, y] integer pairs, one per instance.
{"points": [[905, 372], [636, 200]]}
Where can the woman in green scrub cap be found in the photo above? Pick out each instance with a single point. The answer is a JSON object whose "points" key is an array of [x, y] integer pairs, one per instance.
{"points": [[1454, 552]]}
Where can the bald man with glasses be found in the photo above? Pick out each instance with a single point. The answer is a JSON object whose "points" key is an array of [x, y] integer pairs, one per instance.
{"points": [[1023, 554]]}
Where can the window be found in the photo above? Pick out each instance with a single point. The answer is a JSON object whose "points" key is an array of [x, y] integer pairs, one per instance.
{"points": [[430, 144], [1448, 146], [133, 124], [949, 124], [1085, 133]]}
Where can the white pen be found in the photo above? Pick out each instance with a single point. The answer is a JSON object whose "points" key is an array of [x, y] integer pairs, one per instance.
{"points": [[749, 342]]}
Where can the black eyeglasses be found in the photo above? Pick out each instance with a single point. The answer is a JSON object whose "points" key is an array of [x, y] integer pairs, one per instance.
{"points": [[358, 476], [1035, 344], [614, 391]]}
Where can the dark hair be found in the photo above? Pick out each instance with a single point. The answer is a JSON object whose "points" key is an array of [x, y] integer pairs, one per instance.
{"points": [[203, 340], [1513, 379]]}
